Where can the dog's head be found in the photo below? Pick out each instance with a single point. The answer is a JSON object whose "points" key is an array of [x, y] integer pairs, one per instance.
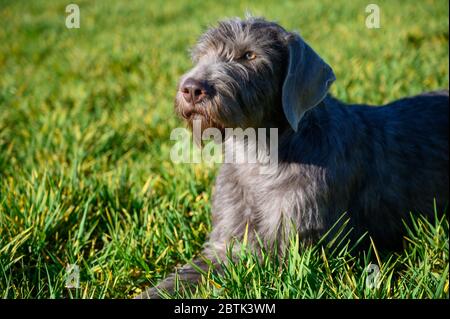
{"points": [[251, 73]]}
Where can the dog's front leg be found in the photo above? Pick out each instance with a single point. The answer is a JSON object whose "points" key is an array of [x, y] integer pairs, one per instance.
{"points": [[230, 218], [187, 276]]}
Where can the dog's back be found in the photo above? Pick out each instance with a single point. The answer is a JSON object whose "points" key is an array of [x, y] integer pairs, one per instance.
{"points": [[399, 160]]}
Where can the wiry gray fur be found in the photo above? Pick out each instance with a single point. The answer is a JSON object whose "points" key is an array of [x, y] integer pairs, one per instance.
{"points": [[378, 164]]}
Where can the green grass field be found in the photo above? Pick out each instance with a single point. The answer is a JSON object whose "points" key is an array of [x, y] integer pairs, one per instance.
{"points": [[85, 120]]}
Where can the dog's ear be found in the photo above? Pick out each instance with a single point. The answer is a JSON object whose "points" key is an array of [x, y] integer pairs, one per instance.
{"points": [[307, 81]]}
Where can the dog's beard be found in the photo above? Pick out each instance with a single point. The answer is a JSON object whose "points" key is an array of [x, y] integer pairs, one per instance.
{"points": [[219, 112], [198, 123], [198, 117]]}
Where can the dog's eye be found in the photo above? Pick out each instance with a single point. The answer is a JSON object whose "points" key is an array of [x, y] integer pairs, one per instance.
{"points": [[249, 55]]}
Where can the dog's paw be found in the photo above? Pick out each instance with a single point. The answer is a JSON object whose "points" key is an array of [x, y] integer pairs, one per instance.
{"points": [[150, 293]]}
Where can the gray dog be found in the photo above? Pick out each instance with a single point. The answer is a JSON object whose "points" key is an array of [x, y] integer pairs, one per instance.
{"points": [[377, 164]]}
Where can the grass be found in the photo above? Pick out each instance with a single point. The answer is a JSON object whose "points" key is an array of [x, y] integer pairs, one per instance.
{"points": [[85, 120]]}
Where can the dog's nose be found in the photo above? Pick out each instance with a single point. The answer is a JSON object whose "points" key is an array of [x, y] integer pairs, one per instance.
{"points": [[193, 90]]}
